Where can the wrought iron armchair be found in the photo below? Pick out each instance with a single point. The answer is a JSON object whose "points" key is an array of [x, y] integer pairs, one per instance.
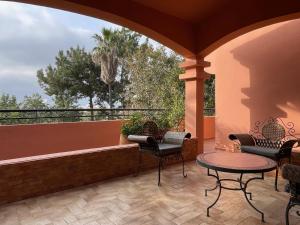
{"points": [[170, 145], [271, 138], [292, 174]]}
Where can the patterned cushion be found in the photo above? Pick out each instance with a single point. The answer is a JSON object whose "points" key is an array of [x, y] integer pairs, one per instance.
{"points": [[272, 153], [168, 148]]}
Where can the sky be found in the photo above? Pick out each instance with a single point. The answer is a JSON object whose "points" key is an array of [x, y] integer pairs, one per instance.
{"points": [[31, 37]]}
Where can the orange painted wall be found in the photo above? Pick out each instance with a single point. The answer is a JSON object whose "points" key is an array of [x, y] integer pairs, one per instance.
{"points": [[18, 141], [29, 140], [257, 76], [209, 127]]}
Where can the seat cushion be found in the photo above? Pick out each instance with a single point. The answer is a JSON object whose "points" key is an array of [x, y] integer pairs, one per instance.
{"points": [[166, 149], [272, 153]]}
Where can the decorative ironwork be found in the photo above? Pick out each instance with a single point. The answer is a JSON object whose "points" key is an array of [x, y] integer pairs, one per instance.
{"points": [[273, 132]]}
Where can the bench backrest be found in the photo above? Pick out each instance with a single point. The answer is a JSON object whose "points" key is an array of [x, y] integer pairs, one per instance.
{"points": [[272, 132]]}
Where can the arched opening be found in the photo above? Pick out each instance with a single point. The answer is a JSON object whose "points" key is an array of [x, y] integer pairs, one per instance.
{"points": [[171, 32], [41, 116]]}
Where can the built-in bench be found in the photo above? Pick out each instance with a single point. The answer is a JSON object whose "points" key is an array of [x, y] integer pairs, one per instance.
{"points": [[39, 175]]}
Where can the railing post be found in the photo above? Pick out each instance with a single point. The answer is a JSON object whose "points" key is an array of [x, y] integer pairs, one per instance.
{"points": [[36, 116]]}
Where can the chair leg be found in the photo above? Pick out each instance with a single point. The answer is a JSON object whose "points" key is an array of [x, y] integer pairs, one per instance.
{"points": [[159, 169], [182, 160], [288, 207], [276, 179], [139, 164]]}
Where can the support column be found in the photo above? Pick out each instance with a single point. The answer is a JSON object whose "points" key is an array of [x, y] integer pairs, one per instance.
{"points": [[194, 78]]}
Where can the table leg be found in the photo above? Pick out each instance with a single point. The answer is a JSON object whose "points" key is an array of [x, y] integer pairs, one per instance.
{"points": [[218, 184], [244, 189]]}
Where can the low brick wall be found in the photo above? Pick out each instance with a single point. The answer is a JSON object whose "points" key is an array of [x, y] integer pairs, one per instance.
{"points": [[39, 175]]}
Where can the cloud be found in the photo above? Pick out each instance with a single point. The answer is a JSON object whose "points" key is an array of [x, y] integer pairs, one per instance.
{"points": [[31, 37]]}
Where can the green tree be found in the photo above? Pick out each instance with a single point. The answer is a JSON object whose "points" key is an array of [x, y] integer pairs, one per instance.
{"points": [[35, 101], [114, 49], [55, 83], [209, 93], [154, 82], [8, 102], [73, 77], [82, 74], [105, 55]]}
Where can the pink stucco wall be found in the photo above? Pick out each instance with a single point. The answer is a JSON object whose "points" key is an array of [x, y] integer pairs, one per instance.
{"points": [[38, 139], [209, 127], [17, 141], [257, 76]]}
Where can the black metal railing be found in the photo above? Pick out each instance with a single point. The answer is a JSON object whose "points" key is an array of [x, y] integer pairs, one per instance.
{"points": [[29, 116], [209, 111], [26, 116]]}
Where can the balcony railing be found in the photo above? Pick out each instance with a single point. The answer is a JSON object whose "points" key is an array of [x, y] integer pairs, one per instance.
{"points": [[25, 116], [209, 111], [29, 116]]}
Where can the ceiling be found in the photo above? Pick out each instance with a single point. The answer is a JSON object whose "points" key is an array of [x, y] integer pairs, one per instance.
{"points": [[190, 10]]}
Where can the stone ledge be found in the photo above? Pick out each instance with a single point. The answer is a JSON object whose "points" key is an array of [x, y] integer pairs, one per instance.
{"points": [[64, 154]]}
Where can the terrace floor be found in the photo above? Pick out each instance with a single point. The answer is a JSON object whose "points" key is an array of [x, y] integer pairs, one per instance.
{"points": [[138, 200]]}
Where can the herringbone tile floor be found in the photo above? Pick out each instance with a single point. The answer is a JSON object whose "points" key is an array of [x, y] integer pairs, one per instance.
{"points": [[139, 201]]}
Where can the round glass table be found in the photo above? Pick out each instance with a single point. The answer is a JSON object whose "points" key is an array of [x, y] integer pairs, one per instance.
{"points": [[237, 163]]}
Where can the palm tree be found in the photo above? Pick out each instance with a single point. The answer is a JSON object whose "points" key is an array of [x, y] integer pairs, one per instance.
{"points": [[105, 55]]}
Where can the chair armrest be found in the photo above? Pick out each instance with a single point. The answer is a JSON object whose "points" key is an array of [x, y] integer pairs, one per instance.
{"points": [[172, 137], [291, 172], [244, 139], [287, 147], [141, 139]]}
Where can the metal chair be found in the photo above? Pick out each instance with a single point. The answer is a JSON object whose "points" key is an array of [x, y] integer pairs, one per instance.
{"points": [[171, 145], [271, 138], [292, 174]]}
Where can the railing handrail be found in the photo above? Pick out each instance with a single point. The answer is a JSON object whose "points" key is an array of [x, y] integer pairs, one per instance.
{"points": [[76, 110], [20, 116]]}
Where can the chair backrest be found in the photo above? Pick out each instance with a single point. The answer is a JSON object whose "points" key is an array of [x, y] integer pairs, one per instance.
{"points": [[177, 138], [273, 132], [150, 128]]}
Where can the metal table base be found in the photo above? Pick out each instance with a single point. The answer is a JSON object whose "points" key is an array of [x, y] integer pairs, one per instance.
{"points": [[243, 188]]}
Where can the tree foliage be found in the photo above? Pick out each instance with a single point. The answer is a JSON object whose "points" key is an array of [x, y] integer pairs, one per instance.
{"points": [[114, 49], [124, 70], [209, 93], [74, 76], [35, 101], [154, 83], [8, 102]]}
